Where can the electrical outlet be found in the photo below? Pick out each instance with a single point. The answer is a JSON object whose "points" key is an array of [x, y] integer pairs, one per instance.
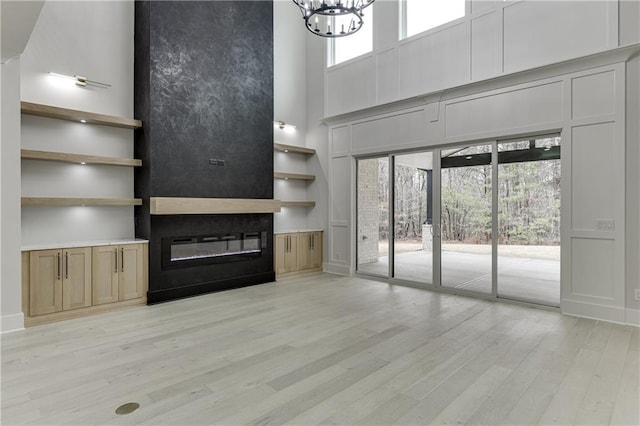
{"points": [[638, 294], [605, 225]]}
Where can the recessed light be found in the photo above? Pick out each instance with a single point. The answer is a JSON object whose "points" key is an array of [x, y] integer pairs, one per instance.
{"points": [[83, 163], [286, 150], [83, 120], [286, 178], [469, 157]]}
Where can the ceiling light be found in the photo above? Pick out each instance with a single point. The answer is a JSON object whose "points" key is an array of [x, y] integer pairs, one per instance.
{"points": [[468, 157], [83, 120], [319, 16], [83, 163]]}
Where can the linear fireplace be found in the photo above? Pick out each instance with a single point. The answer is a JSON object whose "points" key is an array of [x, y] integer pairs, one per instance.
{"points": [[180, 252]]}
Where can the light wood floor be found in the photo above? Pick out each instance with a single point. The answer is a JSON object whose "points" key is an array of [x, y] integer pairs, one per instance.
{"points": [[323, 349]]}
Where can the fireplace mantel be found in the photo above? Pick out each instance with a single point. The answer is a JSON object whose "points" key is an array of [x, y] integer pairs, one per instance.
{"points": [[176, 205]]}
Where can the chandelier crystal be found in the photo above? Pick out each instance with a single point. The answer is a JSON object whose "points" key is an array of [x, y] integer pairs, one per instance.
{"points": [[319, 16]]}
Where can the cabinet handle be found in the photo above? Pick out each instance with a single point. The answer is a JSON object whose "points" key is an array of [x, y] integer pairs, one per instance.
{"points": [[59, 267], [286, 249], [313, 242], [122, 260], [310, 242], [115, 252], [66, 265]]}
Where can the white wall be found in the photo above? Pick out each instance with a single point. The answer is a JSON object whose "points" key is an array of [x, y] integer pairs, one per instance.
{"points": [[506, 70], [290, 79], [10, 261], [93, 39], [494, 39]]}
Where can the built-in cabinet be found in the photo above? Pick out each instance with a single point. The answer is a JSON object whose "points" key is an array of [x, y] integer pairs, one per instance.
{"points": [[70, 282], [118, 273], [298, 252], [59, 280]]}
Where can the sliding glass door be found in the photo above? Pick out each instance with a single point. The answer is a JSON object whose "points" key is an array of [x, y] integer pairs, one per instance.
{"points": [[413, 217], [372, 187], [466, 231], [529, 220], [481, 218]]}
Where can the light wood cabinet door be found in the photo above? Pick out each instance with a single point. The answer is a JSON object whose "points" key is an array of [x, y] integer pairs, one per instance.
{"points": [[105, 274], [131, 272], [45, 282], [310, 250], [280, 253], [76, 280], [286, 255], [315, 254]]}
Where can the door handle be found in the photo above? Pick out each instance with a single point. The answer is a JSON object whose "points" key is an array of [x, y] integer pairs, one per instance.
{"points": [[66, 265], [59, 275]]}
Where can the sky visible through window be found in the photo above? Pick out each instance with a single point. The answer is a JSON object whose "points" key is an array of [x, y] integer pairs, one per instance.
{"points": [[422, 15], [357, 44]]}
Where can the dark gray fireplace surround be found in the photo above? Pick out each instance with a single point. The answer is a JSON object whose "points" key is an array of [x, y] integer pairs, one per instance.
{"points": [[204, 91]]}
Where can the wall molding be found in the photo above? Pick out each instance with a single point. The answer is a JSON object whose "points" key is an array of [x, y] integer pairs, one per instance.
{"points": [[11, 323], [593, 311]]}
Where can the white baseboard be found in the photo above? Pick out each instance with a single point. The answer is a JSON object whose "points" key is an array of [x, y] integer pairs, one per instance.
{"points": [[11, 323], [632, 317], [593, 311], [338, 269]]}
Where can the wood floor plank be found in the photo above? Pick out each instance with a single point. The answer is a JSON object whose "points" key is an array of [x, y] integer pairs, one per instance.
{"points": [[323, 349]]}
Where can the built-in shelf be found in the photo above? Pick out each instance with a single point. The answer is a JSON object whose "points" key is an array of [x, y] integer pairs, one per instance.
{"points": [[79, 116], [298, 204], [172, 205], [293, 149], [62, 201], [78, 158], [294, 176]]}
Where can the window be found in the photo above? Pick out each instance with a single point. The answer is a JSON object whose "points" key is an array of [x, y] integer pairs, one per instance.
{"points": [[342, 49], [422, 15]]}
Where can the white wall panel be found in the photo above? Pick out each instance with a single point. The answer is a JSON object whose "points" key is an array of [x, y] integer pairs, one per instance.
{"points": [[486, 45], [434, 61], [593, 175], [387, 20], [43, 179], [593, 95], [388, 132], [341, 140], [503, 111], [351, 86], [340, 188], [48, 134], [483, 6], [93, 39], [388, 83], [340, 245], [629, 22], [78, 223], [542, 32], [592, 266]]}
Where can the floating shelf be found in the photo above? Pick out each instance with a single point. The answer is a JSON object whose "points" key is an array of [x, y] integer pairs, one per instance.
{"points": [[298, 204], [293, 149], [75, 115], [294, 176], [78, 158], [59, 201], [170, 205]]}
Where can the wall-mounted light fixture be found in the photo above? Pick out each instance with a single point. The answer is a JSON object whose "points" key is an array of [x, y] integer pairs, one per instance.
{"points": [[284, 126], [80, 80]]}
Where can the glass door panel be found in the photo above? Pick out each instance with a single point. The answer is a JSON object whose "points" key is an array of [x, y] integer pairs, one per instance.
{"points": [[413, 217], [529, 220], [466, 218], [372, 250]]}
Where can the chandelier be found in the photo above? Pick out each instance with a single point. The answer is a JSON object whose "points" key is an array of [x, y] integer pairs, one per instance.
{"points": [[319, 16]]}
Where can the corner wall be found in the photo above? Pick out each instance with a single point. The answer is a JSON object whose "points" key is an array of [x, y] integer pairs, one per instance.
{"points": [[10, 260]]}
